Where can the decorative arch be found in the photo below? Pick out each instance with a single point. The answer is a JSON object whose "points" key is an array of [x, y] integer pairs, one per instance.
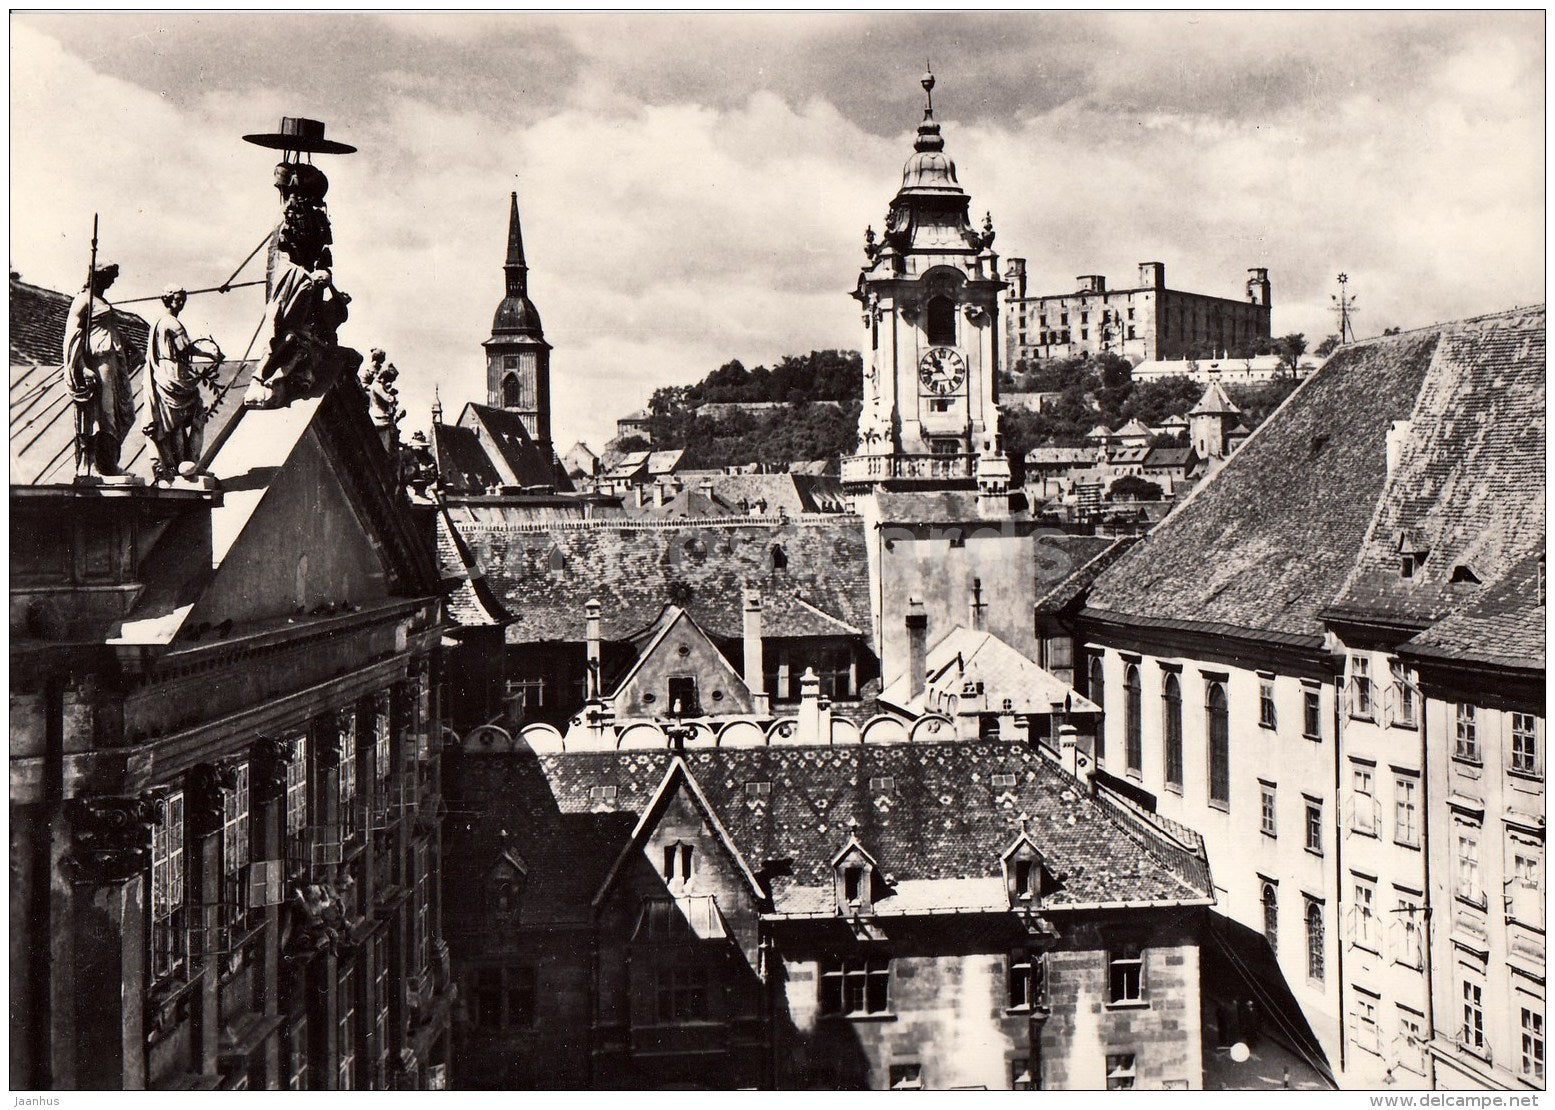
{"points": [[510, 390], [931, 728], [741, 734], [542, 738], [884, 729], [844, 731]]}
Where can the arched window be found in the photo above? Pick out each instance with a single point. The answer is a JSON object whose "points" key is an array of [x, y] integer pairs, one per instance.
{"points": [[510, 391], [1271, 916], [1218, 739], [779, 557], [1314, 940], [1171, 730], [1133, 740], [1097, 692], [940, 322]]}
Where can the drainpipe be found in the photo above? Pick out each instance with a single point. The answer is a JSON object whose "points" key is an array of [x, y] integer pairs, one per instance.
{"points": [[39, 912], [1427, 928], [1339, 718]]}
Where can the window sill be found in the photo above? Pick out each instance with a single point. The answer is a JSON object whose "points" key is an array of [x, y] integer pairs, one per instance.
{"points": [[1223, 807], [1477, 762], [1364, 946], [1269, 833], [1130, 1004], [1406, 726], [1526, 776], [1268, 726], [1415, 846], [887, 1016], [1311, 851], [1369, 718], [1174, 787], [1026, 1011], [1315, 737], [1369, 834], [1478, 904]]}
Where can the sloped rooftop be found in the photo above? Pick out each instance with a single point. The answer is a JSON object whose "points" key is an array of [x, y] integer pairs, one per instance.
{"points": [[1504, 628]]}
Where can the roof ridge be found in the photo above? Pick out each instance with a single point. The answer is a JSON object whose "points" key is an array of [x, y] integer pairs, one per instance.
{"points": [[1145, 836]]}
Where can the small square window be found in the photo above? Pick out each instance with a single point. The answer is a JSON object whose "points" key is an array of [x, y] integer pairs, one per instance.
{"points": [[1120, 1071]]}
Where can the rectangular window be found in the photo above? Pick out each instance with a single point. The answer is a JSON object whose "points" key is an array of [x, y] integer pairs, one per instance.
{"points": [[168, 947], [1363, 1021], [380, 952], [1126, 975], [1171, 731], [1218, 737], [1314, 827], [1466, 743], [1360, 687], [1532, 1066], [856, 985], [1405, 704], [1266, 716], [1363, 917], [1406, 811], [346, 812], [1525, 892], [1026, 979], [1266, 809], [1472, 1034], [906, 1077], [382, 763], [682, 994], [1409, 939], [1120, 1071], [1410, 1047], [1363, 800], [1525, 744], [297, 788], [346, 1029], [235, 844], [1311, 714], [1468, 885]]}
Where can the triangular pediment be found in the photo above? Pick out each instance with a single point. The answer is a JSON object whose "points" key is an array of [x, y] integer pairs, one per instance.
{"points": [[678, 660]]}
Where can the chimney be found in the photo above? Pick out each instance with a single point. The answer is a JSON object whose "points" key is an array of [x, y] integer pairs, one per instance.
{"points": [[917, 647], [658, 495], [809, 731], [976, 606], [591, 639], [706, 486], [1398, 435], [1152, 275], [755, 671], [1092, 283], [1015, 274], [1069, 748], [637, 492]]}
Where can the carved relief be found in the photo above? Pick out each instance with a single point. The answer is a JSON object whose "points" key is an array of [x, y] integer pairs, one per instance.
{"points": [[203, 790], [111, 836]]}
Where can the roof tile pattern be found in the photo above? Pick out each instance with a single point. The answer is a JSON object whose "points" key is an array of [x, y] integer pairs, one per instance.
{"points": [[1469, 487], [1504, 628], [1264, 545], [927, 813], [813, 575]]}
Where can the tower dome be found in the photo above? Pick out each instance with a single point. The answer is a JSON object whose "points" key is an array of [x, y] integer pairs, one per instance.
{"points": [[929, 167]]}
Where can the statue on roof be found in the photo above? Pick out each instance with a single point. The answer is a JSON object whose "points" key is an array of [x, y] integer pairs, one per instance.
{"points": [[367, 373], [175, 410], [97, 360], [383, 401], [302, 304]]}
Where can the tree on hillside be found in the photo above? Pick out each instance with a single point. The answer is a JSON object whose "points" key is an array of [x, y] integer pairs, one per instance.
{"points": [[1131, 487], [1290, 348], [627, 444], [1326, 347]]}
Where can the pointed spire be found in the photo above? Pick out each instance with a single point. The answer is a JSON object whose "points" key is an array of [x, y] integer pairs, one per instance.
{"points": [[928, 90], [515, 266], [437, 406]]}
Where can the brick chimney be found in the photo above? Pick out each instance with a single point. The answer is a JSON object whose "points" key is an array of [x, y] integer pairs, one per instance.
{"points": [[1398, 435], [591, 641], [810, 715], [658, 495], [755, 671], [917, 647]]}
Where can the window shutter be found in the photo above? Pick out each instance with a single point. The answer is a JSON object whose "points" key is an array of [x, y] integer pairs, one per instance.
{"points": [[264, 883]]}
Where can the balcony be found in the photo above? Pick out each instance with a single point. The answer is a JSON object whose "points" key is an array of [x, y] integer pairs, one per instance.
{"points": [[881, 468]]}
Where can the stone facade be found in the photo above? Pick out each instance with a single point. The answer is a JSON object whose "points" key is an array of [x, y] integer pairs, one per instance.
{"points": [[1146, 323]]}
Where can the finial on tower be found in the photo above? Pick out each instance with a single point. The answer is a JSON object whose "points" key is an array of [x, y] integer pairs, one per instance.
{"points": [[437, 406], [928, 90]]}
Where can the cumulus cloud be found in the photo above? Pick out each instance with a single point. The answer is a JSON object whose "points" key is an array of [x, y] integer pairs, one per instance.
{"points": [[694, 188]]}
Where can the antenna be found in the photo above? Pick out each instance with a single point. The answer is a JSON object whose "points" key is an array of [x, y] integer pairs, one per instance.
{"points": [[1344, 308]]}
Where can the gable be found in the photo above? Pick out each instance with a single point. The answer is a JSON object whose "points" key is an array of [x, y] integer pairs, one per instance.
{"points": [[680, 652], [304, 545]]}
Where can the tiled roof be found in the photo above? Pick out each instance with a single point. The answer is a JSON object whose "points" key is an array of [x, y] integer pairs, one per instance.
{"points": [[1059, 456], [941, 820], [544, 576], [1265, 544], [1503, 628], [38, 326], [781, 492], [1469, 486], [462, 465], [688, 504], [1067, 565], [1213, 402], [1130, 454], [967, 656], [1171, 456], [506, 437], [664, 462], [1133, 428]]}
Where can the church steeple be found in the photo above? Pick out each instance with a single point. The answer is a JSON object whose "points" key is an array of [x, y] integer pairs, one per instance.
{"points": [[518, 359]]}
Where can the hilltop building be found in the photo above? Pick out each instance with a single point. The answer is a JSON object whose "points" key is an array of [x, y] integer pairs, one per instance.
{"points": [[1142, 324]]}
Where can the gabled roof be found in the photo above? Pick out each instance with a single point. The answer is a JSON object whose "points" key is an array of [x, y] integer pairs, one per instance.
{"points": [[661, 463], [1135, 454], [1214, 402], [1264, 545], [938, 827], [964, 656], [1133, 428], [647, 644], [1504, 628], [679, 775], [1060, 456], [1469, 486], [462, 463], [511, 451], [1101, 431], [544, 575], [1171, 456]]}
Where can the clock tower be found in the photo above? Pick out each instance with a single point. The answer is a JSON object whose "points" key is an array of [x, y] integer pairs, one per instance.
{"points": [[518, 359], [930, 294]]}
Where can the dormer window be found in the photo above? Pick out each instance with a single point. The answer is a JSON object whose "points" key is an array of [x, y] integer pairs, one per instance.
{"points": [[855, 878], [1024, 869]]}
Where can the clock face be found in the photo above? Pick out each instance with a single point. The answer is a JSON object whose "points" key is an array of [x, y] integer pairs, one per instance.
{"points": [[942, 370]]}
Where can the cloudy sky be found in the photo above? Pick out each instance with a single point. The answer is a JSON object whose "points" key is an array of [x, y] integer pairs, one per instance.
{"points": [[695, 187]]}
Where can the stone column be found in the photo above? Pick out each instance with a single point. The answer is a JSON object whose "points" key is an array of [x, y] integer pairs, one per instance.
{"points": [[109, 863]]}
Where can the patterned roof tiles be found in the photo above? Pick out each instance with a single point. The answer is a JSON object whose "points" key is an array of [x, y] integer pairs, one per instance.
{"points": [[1504, 628]]}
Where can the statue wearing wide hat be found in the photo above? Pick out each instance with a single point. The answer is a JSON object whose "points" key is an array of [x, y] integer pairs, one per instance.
{"points": [[304, 307]]}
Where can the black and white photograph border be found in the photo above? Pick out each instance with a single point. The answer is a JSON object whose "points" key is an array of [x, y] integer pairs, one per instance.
{"points": [[594, 551]]}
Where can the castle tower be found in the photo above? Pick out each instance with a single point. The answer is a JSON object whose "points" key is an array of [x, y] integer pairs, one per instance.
{"points": [[518, 359], [930, 294]]}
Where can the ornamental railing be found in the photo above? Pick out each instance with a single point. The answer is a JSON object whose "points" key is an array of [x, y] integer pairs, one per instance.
{"points": [[878, 468]]}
